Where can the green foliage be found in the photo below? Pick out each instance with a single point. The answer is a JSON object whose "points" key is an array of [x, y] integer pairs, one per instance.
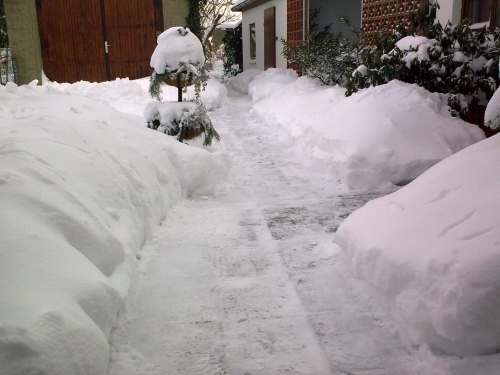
{"points": [[4, 39], [328, 57], [192, 121], [232, 59], [193, 19], [456, 61]]}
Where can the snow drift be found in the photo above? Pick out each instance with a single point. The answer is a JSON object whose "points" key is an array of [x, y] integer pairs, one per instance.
{"points": [[132, 96], [383, 135], [82, 187], [431, 251]]}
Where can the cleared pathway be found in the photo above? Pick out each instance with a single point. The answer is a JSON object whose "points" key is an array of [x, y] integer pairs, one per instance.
{"points": [[249, 282]]}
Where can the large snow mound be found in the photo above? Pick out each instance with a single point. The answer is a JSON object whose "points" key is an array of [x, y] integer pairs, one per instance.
{"points": [[383, 135], [82, 187], [265, 84], [240, 82], [432, 252]]}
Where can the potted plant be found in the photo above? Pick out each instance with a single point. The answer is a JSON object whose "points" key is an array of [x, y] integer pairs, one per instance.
{"points": [[178, 60]]}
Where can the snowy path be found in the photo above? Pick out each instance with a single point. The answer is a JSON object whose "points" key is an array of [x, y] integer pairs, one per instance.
{"points": [[249, 282]]}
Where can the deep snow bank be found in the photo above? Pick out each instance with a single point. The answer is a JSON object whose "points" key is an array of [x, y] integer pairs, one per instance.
{"points": [[82, 186], [383, 135], [432, 252], [132, 96]]}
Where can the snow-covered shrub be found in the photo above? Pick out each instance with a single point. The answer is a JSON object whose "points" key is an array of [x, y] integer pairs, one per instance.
{"points": [[452, 59], [325, 56], [186, 120], [178, 60]]}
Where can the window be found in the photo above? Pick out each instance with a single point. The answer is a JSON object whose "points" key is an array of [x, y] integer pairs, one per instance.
{"points": [[253, 42], [480, 12]]}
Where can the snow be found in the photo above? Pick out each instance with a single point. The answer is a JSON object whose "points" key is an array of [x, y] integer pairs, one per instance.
{"points": [[431, 252], [175, 46], [371, 139], [132, 96], [125, 252], [82, 188], [492, 114], [241, 81], [265, 84]]}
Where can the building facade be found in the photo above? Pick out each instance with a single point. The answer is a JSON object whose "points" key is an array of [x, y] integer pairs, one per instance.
{"points": [[90, 40]]}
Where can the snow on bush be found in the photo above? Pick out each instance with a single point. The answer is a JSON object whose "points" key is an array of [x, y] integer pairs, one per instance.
{"points": [[383, 135], [431, 251], [178, 48], [263, 85], [82, 187]]}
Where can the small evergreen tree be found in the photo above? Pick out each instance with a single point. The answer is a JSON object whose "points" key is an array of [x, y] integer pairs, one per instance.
{"points": [[4, 40], [232, 59]]}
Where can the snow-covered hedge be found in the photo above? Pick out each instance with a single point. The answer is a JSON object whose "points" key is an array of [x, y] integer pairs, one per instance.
{"points": [[431, 251], [383, 135], [82, 187]]}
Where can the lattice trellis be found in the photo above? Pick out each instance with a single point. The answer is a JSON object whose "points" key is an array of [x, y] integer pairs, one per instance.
{"points": [[295, 22], [380, 15]]}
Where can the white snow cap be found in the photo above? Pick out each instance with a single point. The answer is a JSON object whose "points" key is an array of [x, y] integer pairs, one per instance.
{"points": [[175, 46]]}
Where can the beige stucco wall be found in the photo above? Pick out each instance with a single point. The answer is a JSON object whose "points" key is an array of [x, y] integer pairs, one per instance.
{"points": [[175, 13], [22, 26]]}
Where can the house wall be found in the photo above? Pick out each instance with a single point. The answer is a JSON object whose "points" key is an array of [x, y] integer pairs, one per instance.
{"points": [[449, 11], [256, 15], [24, 41], [331, 11], [175, 13]]}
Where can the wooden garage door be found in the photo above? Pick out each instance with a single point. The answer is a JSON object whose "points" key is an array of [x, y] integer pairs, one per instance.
{"points": [[74, 35]]}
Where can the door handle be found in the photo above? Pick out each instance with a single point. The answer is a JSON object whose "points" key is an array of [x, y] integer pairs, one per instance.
{"points": [[106, 45]]}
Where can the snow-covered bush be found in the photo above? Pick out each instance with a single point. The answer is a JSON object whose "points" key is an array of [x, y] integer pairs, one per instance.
{"points": [[325, 56], [452, 59], [240, 82], [186, 120]]}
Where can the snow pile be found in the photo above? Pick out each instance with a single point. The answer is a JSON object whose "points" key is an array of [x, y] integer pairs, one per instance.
{"points": [[82, 187], [241, 81], [383, 135], [432, 252], [492, 114], [132, 96], [177, 46], [265, 84]]}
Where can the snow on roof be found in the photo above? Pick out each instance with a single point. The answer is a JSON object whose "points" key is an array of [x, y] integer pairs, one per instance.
{"points": [[175, 46], [240, 4], [230, 25]]}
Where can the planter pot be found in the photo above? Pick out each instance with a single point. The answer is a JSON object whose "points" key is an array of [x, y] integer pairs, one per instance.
{"points": [[189, 133], [180, 80]]}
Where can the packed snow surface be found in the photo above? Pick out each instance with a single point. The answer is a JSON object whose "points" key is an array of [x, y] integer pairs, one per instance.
{"points": [[175, 46], [388, 134], [431, 251], [82, 187]]}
